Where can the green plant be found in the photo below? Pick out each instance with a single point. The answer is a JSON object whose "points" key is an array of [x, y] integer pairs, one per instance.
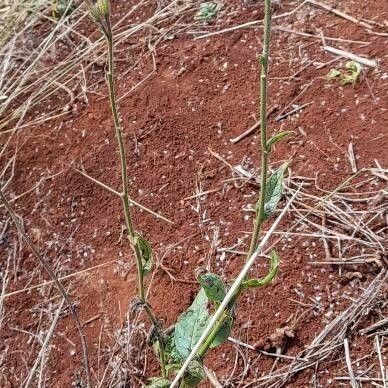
{"points": [[200, 328], [100, 13], [348, 77], [207, 11]]}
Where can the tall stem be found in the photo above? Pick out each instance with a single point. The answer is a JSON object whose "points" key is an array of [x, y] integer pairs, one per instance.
{"points": [[264, 169], [263, 127], [125, 193]]}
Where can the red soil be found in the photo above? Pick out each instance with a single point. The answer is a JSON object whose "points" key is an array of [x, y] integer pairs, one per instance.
{"points": [[203, 93]]}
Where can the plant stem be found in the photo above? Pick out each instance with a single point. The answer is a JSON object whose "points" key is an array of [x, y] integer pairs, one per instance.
{"points": [[125, 192], [264, 170], [206, 345], [263, 127]]}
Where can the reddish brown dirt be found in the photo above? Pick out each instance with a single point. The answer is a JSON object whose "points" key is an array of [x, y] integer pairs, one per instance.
{"points": [[203, 93]]}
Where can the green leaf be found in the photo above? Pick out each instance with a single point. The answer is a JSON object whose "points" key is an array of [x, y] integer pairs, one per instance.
{"points": [[190, 326], [277, 137], [251, 283], [223, 333], [194, 373], [350, 76], [147, 257], [354, 72], [273, 192], [158, 382], [213, 286], [207, 11], [333, 74]]}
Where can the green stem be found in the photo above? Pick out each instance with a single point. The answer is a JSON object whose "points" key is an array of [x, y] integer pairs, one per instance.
{"points": [[210, 338], [263, 127], [125, 191], [264, 170]]}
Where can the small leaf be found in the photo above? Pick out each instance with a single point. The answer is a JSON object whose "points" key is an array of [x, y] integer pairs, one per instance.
{"points": [[333, 74], [190, 326], [207, 11], [147, 257], [158, 382], [354, 72], [350, 76], [273, 192], [277, 137], [223, 333], [213, 286], [194, 373], [251, 283]]}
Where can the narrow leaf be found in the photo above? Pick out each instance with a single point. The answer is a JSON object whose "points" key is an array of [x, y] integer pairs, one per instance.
{"points": [[190, 326], [273, 192], [147, 257], [251, 283], [213, 286], [277, 137]]}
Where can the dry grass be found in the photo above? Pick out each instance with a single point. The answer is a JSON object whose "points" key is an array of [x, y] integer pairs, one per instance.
{"points": [[348, 222]]}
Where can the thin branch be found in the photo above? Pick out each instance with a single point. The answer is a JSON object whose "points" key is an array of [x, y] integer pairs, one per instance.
{"points": [[43, 349], [117, 194], [57, 283]]}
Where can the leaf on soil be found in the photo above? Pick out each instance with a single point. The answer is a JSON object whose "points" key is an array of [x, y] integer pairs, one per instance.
{"points": [[333, 74], [207, 11], [350, 76], [353, 74], [277, 339]]}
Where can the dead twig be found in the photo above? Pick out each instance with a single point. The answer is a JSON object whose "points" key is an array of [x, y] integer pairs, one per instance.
{"points": [[292, 111], [331, 338], [351, 56], [349, 364], [54, 278], [252, 128], [374, 327], [212, 378], [117, 194], [352, 158], [43, 350], [339, 13]]}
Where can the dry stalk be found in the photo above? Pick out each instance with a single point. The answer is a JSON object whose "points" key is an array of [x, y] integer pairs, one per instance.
{"points": [[57, 283]]}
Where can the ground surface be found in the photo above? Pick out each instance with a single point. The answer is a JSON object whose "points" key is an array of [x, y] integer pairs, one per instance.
{"points": [[178, 125]]}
